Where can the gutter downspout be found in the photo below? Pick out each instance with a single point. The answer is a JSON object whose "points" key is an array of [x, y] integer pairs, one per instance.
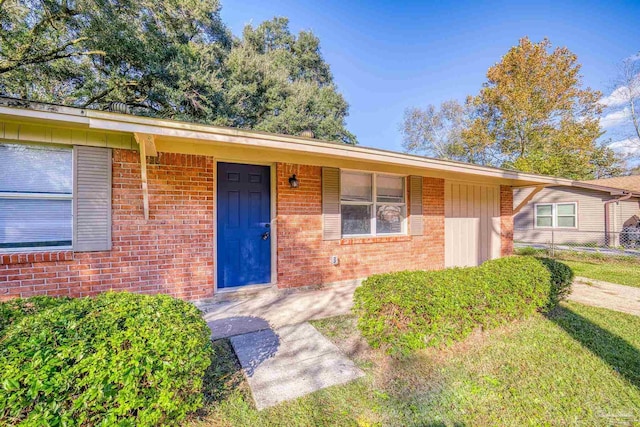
{"points": [[607, 220]]}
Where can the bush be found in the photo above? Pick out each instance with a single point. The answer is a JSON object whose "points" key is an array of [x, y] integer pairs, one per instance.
{"points": [[118, 358], [528, 250], [14, 310], [416, 309], [561, 280]]}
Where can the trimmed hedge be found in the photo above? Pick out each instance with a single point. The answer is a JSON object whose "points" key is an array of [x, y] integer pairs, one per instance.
{"points": [[118, 358], [14, 310], [415, 309]]}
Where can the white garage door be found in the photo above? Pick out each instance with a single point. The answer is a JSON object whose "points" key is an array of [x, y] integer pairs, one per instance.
{"points": [[472, 223]]}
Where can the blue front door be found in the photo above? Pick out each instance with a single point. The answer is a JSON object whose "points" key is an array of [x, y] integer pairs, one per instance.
{"points": [[244, 233]]}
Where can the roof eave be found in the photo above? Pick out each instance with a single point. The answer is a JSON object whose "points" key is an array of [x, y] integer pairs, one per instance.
{"points": [[108, 121]]}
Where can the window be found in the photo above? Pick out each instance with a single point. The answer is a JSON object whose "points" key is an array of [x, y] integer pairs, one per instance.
{"points": [[36, 196], [556, 215], [372, 204]]}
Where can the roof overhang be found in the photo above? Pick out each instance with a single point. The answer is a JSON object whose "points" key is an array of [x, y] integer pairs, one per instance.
{"points": [[61, 116]]}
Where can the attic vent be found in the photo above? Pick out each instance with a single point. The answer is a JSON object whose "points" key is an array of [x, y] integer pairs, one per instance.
{"points": [[307, 133], [119, 107]]}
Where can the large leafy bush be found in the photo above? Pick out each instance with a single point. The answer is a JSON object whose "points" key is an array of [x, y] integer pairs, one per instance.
{"points": [[116, 359], [416, 309], [14, 310]]}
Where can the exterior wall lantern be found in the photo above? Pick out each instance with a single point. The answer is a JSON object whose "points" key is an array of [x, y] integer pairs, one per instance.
{"points": [[293, 181]]}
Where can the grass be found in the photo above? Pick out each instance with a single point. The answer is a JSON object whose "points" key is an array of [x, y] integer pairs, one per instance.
{"points": [[623, 270], [614, 272], [577, 366]]}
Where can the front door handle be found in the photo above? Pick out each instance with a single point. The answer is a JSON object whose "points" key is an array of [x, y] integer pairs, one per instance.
{"points": [[265, 235]]}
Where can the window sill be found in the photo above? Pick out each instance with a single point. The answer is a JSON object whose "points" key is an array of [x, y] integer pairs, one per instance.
{"points": [[374, 239], [29, 257], [556, 228]]}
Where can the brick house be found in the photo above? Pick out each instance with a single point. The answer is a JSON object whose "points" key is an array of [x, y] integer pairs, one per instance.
{"points": [[94, 201]]}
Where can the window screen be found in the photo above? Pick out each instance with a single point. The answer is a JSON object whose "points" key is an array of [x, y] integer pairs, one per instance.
{"points": [[36, 196]]}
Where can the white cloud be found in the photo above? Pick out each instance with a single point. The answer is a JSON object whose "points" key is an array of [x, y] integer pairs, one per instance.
{"points": [[618, 97], [615, 118], [626, 147], [633, 57], [621, 94]]}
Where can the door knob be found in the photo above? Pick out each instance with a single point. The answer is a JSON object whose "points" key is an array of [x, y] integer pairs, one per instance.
{"points": [[265, 235]]}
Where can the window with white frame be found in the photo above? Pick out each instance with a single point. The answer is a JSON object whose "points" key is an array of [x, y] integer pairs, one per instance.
{"points": [[36, 196], [556, 215], [372, 204]]}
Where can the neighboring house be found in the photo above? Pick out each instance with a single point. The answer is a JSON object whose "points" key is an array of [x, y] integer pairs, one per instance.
{"points": [[628, 183], [602, 212], [93, 201]]}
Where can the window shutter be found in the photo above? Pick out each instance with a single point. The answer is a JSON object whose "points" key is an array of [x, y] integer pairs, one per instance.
{"points": [[416, 227], [92, 199], [331, 204]]}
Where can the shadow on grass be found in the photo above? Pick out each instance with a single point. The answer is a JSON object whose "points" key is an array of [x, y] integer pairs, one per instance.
{"points": [[619, 354], [224, 375]]}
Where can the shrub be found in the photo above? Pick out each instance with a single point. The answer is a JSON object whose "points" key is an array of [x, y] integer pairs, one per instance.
{"points": [[415, 309], [528, 250], [118, 358], [561, 280], [13, 310]]}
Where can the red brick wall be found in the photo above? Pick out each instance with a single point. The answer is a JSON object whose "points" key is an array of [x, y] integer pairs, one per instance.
{"points": [[171, 253], [506, 220], [304, 257]]}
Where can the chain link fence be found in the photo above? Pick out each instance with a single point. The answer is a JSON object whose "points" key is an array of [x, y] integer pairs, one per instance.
{"points": [[626, 242]]}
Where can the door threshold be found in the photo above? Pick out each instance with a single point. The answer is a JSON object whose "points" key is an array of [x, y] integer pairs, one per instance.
{"points": [[241, 291]]}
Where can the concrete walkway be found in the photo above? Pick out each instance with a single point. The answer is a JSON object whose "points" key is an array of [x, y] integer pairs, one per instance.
{"points": [[276, 308], [290, 362], [606, 295], [283, 356]]}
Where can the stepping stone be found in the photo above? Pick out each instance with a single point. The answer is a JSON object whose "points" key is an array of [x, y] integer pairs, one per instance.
{"points": [[290, 362]]}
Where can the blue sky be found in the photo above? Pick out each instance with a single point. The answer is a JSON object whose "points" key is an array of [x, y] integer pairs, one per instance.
{"points": [[387, 56]]}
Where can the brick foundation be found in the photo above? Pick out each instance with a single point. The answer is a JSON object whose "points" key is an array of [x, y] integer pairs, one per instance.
{"points": [[171, 253], [304, 257]]}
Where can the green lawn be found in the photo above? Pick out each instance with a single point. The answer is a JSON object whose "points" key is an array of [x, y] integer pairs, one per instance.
{"points": [[614, 272], [580, 365], [623, 270]]}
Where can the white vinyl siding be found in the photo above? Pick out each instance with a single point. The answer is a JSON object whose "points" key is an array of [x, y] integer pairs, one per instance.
{"points": [[36, 197], [556, 215], [372, 204]]}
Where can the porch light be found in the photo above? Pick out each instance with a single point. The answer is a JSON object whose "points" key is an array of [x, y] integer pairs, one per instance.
{"points": [[293, 181]]}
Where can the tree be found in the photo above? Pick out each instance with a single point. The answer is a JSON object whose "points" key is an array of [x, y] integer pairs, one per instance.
{"points": [[147, 54], [623, 106], [171, 59], [433, 131], [537, 116], [439, 132], [277, 82]]}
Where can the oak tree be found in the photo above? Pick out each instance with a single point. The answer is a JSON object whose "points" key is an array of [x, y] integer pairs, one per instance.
{"points": [[169, 58], [537, 115]]}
